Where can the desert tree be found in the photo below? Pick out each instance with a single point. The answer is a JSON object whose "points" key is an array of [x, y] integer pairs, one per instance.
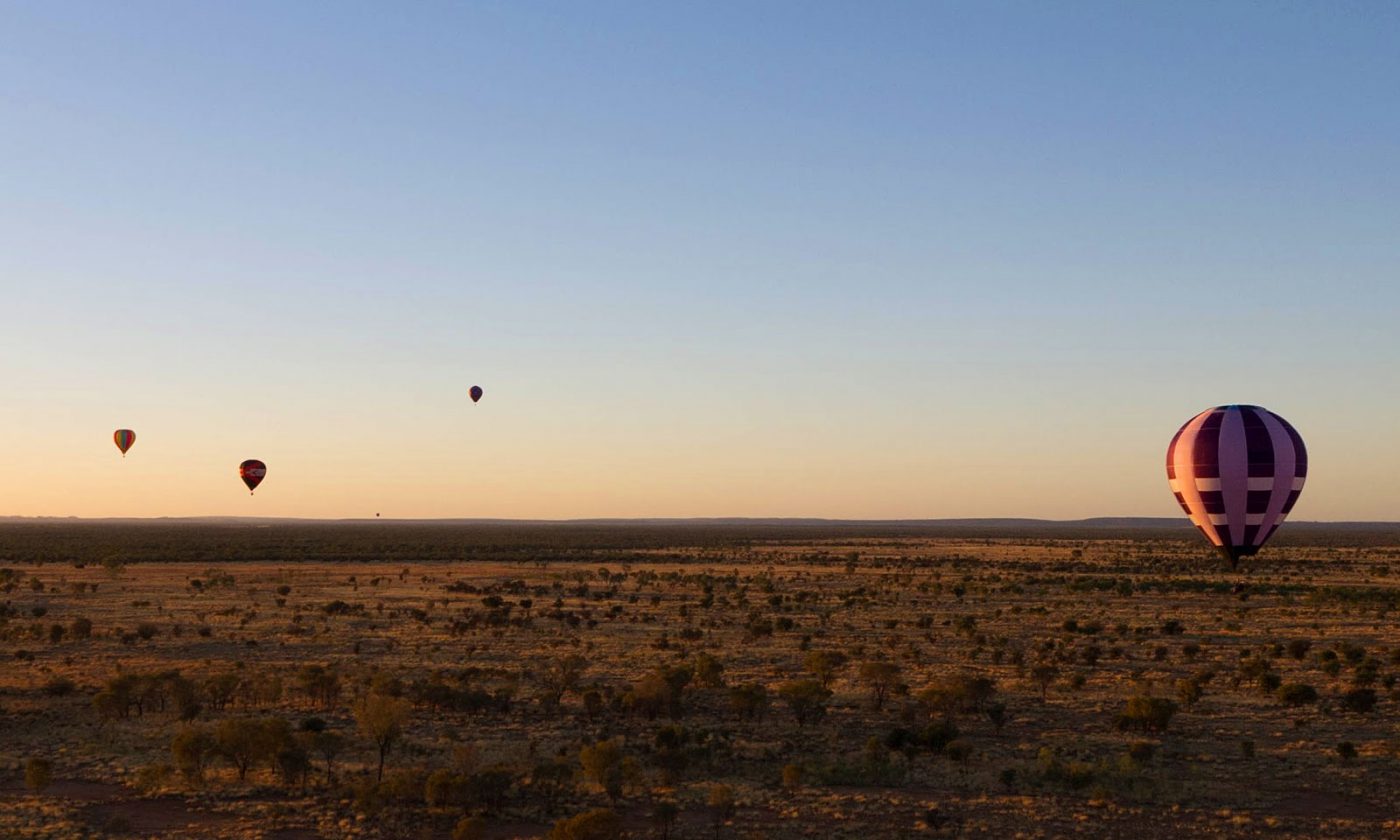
{"points": [[663, 816], [824, 665], [245, 741], [1044, 675], [562, 676], [602, 765], [719, 802], [190, 750], [881, 677], [806, 699], [749, 701], [381, 718], [708, 671]]}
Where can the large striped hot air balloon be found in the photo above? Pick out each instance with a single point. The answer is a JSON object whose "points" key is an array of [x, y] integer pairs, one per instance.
{"points": [[252, 472], [124, 438], [1237, 470]]}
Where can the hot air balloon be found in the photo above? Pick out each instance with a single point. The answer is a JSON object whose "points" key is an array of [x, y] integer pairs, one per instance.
{"points": [[252, 473], [476, 393], [1237, 471], [124, 438]]}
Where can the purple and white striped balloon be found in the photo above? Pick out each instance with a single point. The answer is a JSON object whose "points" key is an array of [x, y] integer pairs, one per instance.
{"points": [[1237, 470]]}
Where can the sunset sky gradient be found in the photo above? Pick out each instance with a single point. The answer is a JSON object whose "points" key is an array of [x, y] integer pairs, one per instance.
{"points": [[899, 260]]}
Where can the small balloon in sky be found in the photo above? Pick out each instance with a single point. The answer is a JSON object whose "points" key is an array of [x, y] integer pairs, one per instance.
{"points": [[476, 393], [252, 472], [124, 438], [1236, 471]]}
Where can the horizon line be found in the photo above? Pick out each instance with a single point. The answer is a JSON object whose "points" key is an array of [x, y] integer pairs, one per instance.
{"points": [[1142, 521]]}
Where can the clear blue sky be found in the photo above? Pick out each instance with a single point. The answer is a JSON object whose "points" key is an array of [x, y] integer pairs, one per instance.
{"points": [[868, 260]]}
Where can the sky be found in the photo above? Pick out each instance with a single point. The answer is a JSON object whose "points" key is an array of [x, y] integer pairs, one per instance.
{"points": [[852, 260]]}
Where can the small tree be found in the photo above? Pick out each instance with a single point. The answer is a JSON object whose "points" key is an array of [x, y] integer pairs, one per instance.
{"points": [[720, 804], [245, 741], [824, 665], [381, 719], [708, 671], [881, 678], [664, 816], [190, 749], [562, 676], [1044, 675], [602, 764], [807, 699]]}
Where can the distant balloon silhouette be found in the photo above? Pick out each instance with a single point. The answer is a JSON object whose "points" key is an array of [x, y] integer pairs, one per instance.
{"points": [[252, 472], [1237, 471], [476, 393], [124, 438]]}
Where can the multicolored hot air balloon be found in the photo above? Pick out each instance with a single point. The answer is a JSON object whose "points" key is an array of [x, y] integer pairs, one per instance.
{"points": [[476, 393], [124, 438], [252, 472], [1237, 471]]}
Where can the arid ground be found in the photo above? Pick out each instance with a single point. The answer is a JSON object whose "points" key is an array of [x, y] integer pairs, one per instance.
{"points": [[227, 680]]}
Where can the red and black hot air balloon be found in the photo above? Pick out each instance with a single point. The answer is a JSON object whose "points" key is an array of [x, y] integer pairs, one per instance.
{"points": [[1237, 471], [124, 438], [252, 472], [475, 393]]}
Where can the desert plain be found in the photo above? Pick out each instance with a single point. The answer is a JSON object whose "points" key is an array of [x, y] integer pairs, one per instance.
{"points": [[294, 681]]}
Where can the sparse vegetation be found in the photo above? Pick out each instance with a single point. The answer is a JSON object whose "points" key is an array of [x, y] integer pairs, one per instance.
{"points": [[584, 688]]}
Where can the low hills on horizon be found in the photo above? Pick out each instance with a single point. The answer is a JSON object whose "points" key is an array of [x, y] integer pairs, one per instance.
{"points": [[1115, 523]]}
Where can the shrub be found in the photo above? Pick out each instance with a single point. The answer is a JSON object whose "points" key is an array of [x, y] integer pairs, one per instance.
{"points": [[38, 774], [1346, 751], [1297, 694], [1359, 700], [1188, 692], [1141, 752], [59, 687], [80, 628], [469, 828], [600, 824], [1148, 714]]}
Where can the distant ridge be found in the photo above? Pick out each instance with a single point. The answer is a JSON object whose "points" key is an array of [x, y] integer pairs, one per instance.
{"points": [[1101, 522]]}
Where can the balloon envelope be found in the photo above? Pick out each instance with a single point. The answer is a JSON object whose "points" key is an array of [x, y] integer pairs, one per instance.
{"points": [[124, 438], [1237, 471], [252, 473], [476, 393]]}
